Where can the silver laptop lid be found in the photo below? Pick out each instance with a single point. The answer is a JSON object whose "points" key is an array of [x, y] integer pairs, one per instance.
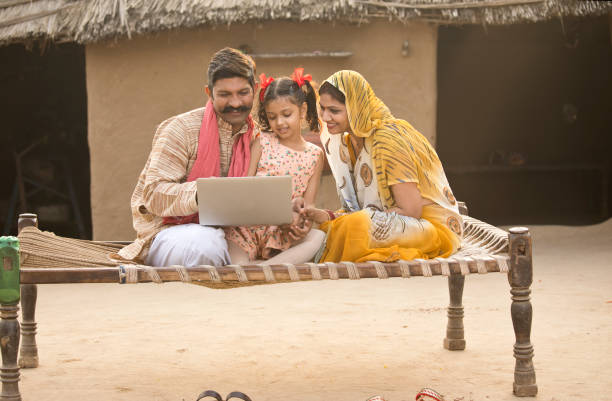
{"points": [[244, 201]]}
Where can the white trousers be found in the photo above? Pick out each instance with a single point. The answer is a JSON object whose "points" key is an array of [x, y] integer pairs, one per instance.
{"points": [[189, 245]]}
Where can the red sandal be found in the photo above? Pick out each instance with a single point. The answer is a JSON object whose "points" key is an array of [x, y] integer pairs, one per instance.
{"points": [[428, 394]]}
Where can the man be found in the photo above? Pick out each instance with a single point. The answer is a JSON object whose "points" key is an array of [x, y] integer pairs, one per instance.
{"points": [[185, 147]]}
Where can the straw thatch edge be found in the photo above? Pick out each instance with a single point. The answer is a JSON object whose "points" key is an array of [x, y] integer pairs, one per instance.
{"points": [[88, 21]]}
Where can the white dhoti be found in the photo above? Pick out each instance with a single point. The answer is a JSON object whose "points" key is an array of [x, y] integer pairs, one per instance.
{"points": [[189, 245]]}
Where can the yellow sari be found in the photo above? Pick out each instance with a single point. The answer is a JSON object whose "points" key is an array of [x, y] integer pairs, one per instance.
{"points": [[394, 152]]}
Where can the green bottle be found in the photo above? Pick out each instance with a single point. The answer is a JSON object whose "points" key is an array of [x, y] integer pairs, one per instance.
{"points": [[9, 270]]}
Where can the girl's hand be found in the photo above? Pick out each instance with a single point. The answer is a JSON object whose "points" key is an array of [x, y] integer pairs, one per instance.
{"points": [[316, 215], [299, 231], [298, 204]]}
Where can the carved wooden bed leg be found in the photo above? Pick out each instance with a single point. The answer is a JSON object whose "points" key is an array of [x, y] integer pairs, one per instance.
{"points": [[9, 325], [520, 277], [455, 340], [28, 355], [9, 341]]}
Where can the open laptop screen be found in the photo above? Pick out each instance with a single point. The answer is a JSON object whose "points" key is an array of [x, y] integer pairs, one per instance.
{"points": [[244, 201]]}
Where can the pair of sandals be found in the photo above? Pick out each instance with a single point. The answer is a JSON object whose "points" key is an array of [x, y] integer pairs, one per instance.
{"points": [[233, 395], [426, 394]]}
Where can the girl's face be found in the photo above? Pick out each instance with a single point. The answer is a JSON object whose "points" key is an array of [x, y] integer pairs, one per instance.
{"points": [[285, 117], [334, 114]]}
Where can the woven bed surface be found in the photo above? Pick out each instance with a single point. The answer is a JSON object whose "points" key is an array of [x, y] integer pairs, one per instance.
{"points": [[41, 249]]}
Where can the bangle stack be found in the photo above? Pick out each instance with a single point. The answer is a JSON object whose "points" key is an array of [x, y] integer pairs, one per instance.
{"points": [[330, 214]]}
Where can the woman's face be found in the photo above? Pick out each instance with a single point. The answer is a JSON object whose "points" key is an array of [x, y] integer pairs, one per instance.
{"points": [[334, 114]]}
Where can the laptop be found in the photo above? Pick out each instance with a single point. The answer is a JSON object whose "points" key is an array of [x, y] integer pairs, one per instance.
{"points": [[245, 201]]}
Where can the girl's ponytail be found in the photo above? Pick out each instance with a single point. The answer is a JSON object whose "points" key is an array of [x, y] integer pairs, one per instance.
{"points": [[312, 114], [310, 97]]}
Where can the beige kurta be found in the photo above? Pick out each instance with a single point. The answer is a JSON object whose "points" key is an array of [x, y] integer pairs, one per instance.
{"points": [[162, 190]]}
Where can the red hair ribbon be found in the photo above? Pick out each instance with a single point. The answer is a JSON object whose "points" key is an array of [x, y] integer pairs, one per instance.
{"points": [[299, 77], [264, 83]]}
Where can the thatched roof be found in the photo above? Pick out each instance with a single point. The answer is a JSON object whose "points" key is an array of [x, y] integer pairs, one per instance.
{"points": [[86, 21]]}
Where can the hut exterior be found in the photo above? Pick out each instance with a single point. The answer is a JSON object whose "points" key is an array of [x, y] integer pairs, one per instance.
{"points": [[146, 61]]}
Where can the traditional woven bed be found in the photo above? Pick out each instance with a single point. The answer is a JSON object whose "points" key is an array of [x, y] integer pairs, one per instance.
{"points": [[49, 259]]}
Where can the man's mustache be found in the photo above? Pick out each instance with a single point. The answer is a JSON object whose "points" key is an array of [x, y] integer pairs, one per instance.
{"points": [[241, 109]]}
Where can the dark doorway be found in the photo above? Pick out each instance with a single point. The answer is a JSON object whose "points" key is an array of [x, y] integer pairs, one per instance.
{"points": [[44, 156], [525, 121]]}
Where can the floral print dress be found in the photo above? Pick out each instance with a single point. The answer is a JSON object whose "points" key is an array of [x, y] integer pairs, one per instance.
{"points": [[263, 242]]}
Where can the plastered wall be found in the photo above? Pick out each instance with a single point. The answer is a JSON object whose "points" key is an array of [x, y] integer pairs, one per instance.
{"points": [[133, 85]]}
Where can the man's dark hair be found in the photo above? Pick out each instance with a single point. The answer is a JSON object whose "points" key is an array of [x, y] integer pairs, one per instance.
{"points": [[230, 63]]}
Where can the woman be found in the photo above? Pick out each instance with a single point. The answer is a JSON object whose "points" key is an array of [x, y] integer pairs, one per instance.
{"points": [[397, 203]]}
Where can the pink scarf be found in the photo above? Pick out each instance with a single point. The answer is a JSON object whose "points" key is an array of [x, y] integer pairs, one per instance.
{"points": [[207, 163]]}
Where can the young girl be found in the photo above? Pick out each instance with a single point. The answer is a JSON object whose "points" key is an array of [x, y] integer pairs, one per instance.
{"points": [[284, 104]]}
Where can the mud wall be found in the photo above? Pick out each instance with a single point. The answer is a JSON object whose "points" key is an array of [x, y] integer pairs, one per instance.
{"points": [[133, 85]]}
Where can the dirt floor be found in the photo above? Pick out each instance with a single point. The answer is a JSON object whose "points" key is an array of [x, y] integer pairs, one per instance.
{"points": [[344, 340]]}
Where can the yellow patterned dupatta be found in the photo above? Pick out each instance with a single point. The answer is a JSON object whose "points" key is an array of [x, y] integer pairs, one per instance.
{"points": [[398, 154]]}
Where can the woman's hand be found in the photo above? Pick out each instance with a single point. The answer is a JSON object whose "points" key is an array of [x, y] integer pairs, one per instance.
{"points": [[300, 226], [316, 215]]}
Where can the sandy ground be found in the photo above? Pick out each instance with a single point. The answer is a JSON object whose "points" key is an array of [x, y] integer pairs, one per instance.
{"points": [[345, 340]]}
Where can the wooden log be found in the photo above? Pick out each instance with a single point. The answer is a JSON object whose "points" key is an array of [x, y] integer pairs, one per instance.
{"points": [[449, 5], [9, 343], [9, 325], [28, 355], [254, 273], [520, 277], [455, 340]]}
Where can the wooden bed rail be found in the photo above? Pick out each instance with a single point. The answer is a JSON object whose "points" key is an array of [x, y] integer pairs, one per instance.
{"points": [[254, 273]]}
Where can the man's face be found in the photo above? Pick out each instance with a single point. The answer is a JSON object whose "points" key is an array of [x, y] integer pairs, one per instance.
{"points": [[232, 99]]}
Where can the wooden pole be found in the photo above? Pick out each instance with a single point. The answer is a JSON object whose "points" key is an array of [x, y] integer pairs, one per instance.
{"points": [[254, 273], [9, 325], [455, 340], [28, 356], [455, 5], [520, 277], [9, 343]]}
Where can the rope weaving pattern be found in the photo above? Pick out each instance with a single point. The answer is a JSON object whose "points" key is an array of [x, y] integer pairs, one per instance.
{"points": [[444, 266], [425, 268], [44, 249], [268, 273], [405, 268], [213, 273], [240, 274], [480, 263], [502, 262], [463, 264], [381, 272], [293, 273], [333, 270], [352, 270], [480, 237], [183, 273], [315, 272], [152, 272]]}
